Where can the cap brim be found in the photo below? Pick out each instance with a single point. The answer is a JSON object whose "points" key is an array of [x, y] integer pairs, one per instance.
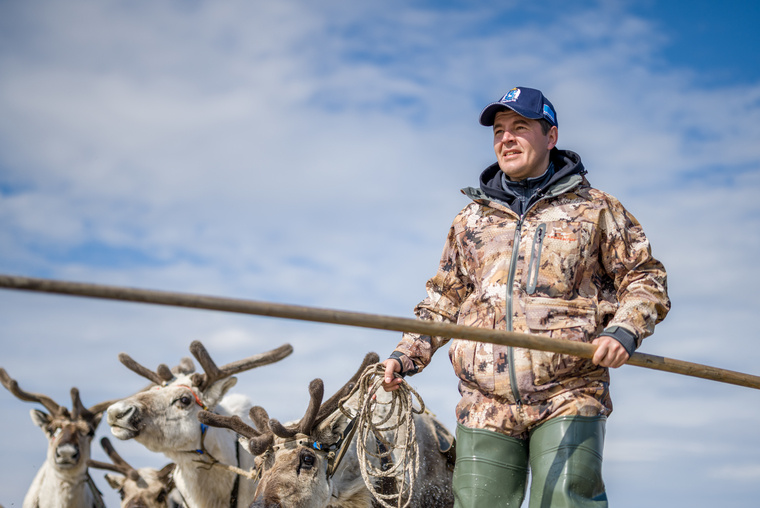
{"points": [[488, 115]]}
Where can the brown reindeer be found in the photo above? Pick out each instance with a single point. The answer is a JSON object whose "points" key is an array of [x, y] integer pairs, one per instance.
{"points": [[139, 488], [300, 465], [63, 480], [164, 419]]}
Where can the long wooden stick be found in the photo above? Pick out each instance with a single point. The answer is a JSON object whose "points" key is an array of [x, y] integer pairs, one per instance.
{"points": [[375, 321]]}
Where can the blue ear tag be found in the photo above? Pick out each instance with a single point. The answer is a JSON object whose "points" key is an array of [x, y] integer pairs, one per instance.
{"points": [[316, 446]]}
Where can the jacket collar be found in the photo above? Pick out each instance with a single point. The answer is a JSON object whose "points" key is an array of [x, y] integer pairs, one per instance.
{"points": [[568, 174], [564, 185]]}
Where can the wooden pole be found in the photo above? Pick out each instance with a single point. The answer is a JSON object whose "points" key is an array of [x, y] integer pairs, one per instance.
{"points": [[363, 320]]}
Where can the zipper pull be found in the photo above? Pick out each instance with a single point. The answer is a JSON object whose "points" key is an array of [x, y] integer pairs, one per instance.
{"points": [[535, 259]]}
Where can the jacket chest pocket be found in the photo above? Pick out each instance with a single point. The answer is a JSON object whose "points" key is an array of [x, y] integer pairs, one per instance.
{"points": [[553, 257]]}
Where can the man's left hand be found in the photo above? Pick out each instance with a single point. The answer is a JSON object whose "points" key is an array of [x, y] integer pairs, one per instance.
{"points": [[609, 352]]}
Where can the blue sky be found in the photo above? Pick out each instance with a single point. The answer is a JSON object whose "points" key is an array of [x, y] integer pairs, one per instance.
{"points": [[313, 154], [716, 39]]}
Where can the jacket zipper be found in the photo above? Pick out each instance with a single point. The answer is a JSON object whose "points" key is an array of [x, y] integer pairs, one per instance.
{"points": [[508, 315], [509, 299]]}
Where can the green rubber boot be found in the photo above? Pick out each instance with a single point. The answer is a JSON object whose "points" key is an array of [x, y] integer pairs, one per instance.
{"points": [[491, 469], [566, 463]]}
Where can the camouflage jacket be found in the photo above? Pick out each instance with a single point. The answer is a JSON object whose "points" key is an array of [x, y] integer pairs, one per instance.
{"points": [[575, 263]]}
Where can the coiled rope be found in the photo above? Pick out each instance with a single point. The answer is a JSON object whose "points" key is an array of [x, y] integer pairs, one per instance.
{"points": [[389, 425]]}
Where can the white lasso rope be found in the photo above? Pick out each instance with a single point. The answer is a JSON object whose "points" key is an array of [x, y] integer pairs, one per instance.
{"points": [[374, 421]]}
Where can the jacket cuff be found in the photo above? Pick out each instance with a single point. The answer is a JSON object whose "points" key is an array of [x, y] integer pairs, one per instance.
{"points": [[407, 365], [626, 338]]}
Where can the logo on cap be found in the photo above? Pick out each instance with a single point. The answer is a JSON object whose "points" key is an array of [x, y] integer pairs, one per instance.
{"points": [[511, 96], [550, 113]]}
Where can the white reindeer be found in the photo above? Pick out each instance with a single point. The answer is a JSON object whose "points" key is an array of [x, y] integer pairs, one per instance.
{"points": [[164, 420], [63, 480], [299, 465], [139, 488]]}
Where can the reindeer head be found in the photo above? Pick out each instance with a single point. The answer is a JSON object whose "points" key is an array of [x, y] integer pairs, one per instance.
{"points": [[164, 418], [69, 433], [138, 488], [295, 462]]}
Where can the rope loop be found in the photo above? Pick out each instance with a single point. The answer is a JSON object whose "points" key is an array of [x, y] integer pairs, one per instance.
{"points": [[386, 443]]}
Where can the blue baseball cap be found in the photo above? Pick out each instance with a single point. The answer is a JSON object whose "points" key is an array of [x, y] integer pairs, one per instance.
{"points": [[527, 102]]}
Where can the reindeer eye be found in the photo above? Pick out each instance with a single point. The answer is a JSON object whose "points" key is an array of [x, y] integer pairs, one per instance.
{"points": [[161, 496], [185, 400], [306, 460]]}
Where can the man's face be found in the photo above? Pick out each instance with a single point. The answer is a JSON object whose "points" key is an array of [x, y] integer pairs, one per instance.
{"points": [[522, 149]]}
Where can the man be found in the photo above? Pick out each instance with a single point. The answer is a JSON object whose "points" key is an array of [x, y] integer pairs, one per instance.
{"points": [[538, 250]]}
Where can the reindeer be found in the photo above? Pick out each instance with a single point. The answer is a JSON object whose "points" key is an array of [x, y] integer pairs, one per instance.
{"points": [[164, 419], [139, 488], [63, 480], [313, 463]]}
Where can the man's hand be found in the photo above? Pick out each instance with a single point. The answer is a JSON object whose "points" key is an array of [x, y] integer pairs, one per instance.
{"points": [[609, 352], [391, 382]]}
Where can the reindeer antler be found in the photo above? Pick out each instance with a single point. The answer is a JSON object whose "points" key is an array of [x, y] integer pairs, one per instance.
{"points": [[77, 408], [162, 374], [260, 418], [113, 454], [212, 373], [12, 386], [89, 414], [119, 465], [258, 440], [305, 424], [228, 422], [106, 466], [102, 406]]}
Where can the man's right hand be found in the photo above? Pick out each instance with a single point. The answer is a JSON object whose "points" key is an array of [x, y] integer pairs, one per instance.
{"points": [[391, 382]]}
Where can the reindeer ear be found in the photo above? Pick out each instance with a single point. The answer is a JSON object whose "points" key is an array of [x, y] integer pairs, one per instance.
{"points": [[115, 481], [40, 419], [166, 471], [214, 393], [96, 420], [167, 477]]}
